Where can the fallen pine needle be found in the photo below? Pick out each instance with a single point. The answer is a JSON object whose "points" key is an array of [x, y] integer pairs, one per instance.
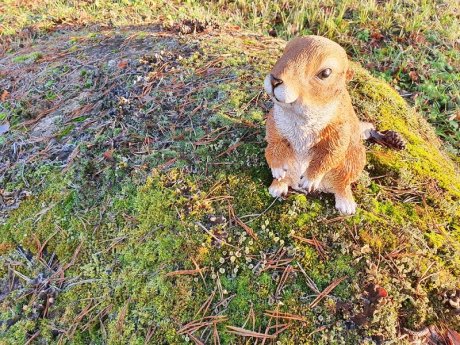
{"points": [[284, 277], [285, 316], [204, 308], [247, 333], [326, 291], [214, 236], [195, 325], [246, 228], [195, 339], [319, 329], [319, 246], [311, 284]]}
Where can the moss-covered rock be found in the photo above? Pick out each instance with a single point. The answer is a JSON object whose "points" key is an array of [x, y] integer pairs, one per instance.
{"points": [[161, 221]]}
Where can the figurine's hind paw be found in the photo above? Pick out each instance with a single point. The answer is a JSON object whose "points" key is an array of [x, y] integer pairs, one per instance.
{"points": [[345, 206]]}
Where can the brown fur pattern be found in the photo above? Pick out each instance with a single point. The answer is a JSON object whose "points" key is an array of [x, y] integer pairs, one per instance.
{"points": [[314, 136]]}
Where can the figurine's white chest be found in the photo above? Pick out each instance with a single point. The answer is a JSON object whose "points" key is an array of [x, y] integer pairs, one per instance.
{"points": [[302, 131]]}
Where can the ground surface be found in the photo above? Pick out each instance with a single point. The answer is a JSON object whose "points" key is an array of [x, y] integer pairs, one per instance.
{"points": [[135, 207]]}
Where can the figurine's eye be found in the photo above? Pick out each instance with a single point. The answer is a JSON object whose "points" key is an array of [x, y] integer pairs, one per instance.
{"points": [[324, 73]]}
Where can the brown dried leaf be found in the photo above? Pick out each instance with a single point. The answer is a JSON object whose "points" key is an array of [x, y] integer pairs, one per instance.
{"points": [[376, 35], [123, 64], [413, 76], [4, 96], [374, 292], [108, 155], [455, 116]]}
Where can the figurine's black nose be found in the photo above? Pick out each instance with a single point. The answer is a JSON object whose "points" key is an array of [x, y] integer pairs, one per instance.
{"points": [[275, 81]]}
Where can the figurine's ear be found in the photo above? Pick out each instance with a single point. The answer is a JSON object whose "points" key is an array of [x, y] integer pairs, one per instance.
{"points": [[350, 74]]}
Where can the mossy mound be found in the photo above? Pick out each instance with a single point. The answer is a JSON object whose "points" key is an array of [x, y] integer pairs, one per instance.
{"points": [[145, 216]]}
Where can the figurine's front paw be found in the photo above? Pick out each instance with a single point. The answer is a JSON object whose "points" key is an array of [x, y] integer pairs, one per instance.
{"points": [[279, 173], [345, 206], [310, 184], [278, 188]]}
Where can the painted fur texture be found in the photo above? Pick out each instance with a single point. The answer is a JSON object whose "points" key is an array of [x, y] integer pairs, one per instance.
{"points": [[314, 136]]}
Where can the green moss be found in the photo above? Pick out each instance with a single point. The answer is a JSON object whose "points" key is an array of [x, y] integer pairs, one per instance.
{"points": [[422, 156], [32, 57], [435, 239]]}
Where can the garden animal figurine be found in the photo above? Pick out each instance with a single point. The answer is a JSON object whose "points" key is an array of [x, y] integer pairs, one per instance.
{"points": [[315, 139]]}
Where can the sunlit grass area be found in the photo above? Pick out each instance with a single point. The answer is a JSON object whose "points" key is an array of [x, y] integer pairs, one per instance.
{"points": [[413, 45]]}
